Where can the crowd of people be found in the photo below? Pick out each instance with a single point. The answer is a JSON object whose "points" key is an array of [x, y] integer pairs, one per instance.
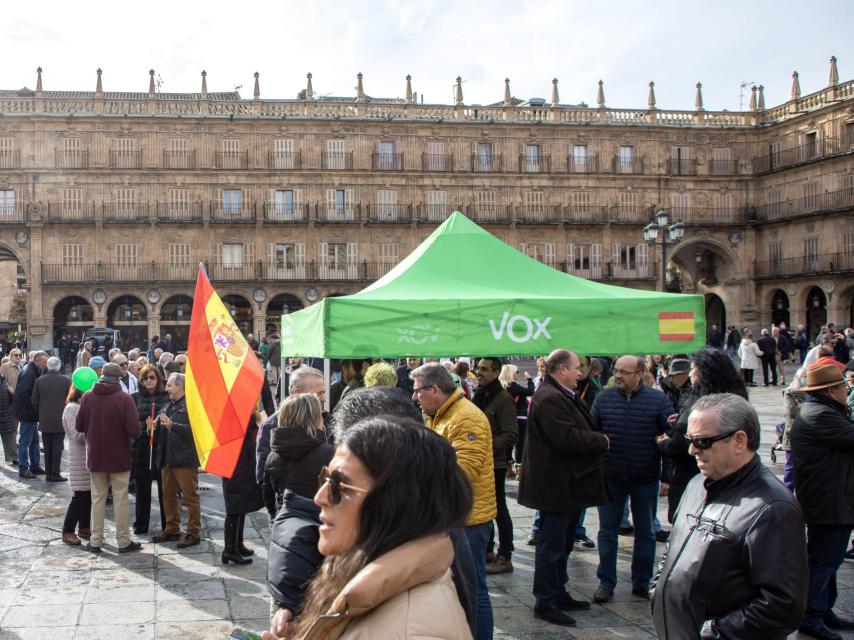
{"points": [[389, 511]]}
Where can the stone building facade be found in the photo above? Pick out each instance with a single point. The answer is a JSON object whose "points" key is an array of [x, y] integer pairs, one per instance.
{"points": [[109, 201]]}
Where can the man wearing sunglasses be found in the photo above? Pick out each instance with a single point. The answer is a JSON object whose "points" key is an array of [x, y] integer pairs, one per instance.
{"points": [[736, 563], [822, 440]]}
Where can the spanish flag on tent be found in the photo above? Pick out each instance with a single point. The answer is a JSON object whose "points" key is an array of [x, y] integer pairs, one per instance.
{"points": [[223, 383]]}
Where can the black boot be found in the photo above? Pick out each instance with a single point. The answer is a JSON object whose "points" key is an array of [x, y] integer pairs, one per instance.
{"points": [[230, 552], [241, 548]]}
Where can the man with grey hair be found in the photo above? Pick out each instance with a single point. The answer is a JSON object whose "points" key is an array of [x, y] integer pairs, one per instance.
{"points": [[179, 467], [23, 409], [49, 393], [130, 384], [460, 422], [768, 346], [304, 379], [736, 565]]}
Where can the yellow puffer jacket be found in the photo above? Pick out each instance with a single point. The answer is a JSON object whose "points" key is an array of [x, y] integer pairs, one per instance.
{"points": [[467, 429]]}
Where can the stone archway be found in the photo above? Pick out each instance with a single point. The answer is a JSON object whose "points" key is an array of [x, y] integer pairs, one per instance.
{"points": [[175, 315], [241, 311], [715, 312], [13, 294], [128, 314], [816, 305], [71, 317], [705, 262], [277, 307], [780, 308]]}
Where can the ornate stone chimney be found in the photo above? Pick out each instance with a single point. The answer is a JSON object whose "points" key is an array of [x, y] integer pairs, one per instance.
{"points": [[761, 105], [752, 105]]}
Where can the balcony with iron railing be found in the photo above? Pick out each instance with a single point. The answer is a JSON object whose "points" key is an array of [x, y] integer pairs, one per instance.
{"points": [[179, 159], [13, 212], [582, 214], [285, 212], [490, 213], [10, 159], [71, 212], [336, 160], [387, 161], [179, 212], [624, 165], [71, 159], [534, 164], [536, 214], [284, 160], [235, 212], [630, 214], [632, 270], [487, 163], [681, 166], [232, 159], [339, 212], [808, 205], [389, 213], [818, 149], [125, 159], [708, 216], [234, 271], [64, 273], [437, 162], [723, 167], [806, 265], [125, 212], [582, 164]]}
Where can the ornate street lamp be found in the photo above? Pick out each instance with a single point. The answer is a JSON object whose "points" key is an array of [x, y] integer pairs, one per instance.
{"points": [[659, 233]]}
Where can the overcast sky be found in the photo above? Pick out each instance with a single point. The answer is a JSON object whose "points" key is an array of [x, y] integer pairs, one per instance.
{"points": [[627, 44]]}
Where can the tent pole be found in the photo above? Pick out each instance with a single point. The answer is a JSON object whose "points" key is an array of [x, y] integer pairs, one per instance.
{"points": [[326, 376]]}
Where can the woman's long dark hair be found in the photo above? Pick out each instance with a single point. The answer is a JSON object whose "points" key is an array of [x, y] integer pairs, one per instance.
{"points": [[419, 489], [717, 374]]}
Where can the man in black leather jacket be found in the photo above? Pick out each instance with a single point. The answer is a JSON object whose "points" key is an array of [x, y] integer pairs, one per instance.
{"points": [[736, 565]]}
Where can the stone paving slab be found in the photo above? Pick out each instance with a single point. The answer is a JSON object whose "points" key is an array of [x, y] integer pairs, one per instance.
{"points": [[52, 591]]}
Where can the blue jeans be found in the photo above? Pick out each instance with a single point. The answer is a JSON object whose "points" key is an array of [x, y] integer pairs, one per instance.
{"points": [[626, 522], [826, 545], [478, 536], [556, 537], [580, 529], [28, 446], [644, 501]]}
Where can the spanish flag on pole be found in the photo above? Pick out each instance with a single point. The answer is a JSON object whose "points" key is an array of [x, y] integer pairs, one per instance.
{"points": [[223, 381]]}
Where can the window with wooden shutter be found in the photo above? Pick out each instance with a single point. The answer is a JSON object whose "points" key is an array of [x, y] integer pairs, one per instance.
{"points": [[596, 261], [722, 163], [775, 202], [386, 205], [335, 155], [811, 199], [484, 203], [628, 205], [72, 255], [230, 156], [679, 206], [179, 202], [231, 201], [232, 255], [125, 202], [8, 157], [72, 201], [124, 153], [339, 204], [775, 256], [283, 154], [435, 159], [388, 256], [437, 206], [810, 254], [581, 206], [848, 247], [177, 155], [282, 203], [534, 203], [723, 208]]}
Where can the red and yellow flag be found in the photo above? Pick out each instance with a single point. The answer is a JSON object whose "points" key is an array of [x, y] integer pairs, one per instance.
{"points": [[223, 383], [676, 326]]}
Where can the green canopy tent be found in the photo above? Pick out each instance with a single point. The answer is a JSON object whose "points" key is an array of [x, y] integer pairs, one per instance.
{"points": [[464, 291]]}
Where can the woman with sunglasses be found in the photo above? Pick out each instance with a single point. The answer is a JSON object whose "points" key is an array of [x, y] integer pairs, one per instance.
{"points": [[712, 371], [150, 399], [387, 500]]}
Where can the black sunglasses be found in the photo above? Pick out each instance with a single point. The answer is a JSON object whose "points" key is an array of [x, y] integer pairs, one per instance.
{"points": [[705, 442], [336, 483]]}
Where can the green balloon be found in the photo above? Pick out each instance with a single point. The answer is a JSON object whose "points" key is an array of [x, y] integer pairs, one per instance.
{"points": [[84, 378]]}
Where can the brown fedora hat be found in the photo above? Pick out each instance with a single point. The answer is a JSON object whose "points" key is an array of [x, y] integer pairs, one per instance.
{"points": [[822, 377]]}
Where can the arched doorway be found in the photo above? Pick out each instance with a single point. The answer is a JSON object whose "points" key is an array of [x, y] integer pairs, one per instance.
{"points": [[240, 310], [780, 308], [816, 311], [715, 312], [128, 315], [280, 305], [175, 320], [13, 298], [71, 317]]}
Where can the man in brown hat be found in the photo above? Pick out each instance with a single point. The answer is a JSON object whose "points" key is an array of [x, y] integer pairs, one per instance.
{"points": [[823, 456]]}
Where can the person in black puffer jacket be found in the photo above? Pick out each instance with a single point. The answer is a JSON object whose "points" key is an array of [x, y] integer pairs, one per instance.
{"points": [[8, 424], [150, 400], [298, 451]]}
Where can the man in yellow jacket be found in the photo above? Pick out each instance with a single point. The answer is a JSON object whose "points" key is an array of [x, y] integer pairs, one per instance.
{"points": [[452, 416]]}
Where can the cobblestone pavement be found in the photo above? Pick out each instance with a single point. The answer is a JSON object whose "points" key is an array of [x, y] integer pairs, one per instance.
{"points": [[52, 591]]}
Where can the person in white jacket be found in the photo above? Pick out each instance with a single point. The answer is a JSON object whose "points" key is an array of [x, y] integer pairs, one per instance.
{"points": [[750, 354], [80, 508]]}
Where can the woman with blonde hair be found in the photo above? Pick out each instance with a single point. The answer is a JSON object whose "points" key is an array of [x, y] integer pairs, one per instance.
{"points": [[509, 379], [381, 374]]}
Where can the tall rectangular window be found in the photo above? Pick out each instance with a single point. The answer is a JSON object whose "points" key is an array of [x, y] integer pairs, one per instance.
{"points": [[625, 159], [811, 199], [232, 255], [126, 254], [72, 254], [679, 206], [179, 253], [283, 202], [722, 163], [7, 203], [386, 204], [385, 156], [534, 202], [339, 204], [335, 155], [125, 202], [231, 201], [437, 206], [389, 256], [581, 204], [8, 157], [283, 154], [579, 159], [124, 154], [73, 155], [435, 159], [848, 247], [179, 201], [543, 252], [483, 157], [775, 256], [230, 156], [584, 260], [629, 208], [286, 259], [810, 254], [531, 158], [177, 155], [72, 201], [723, 208]]}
